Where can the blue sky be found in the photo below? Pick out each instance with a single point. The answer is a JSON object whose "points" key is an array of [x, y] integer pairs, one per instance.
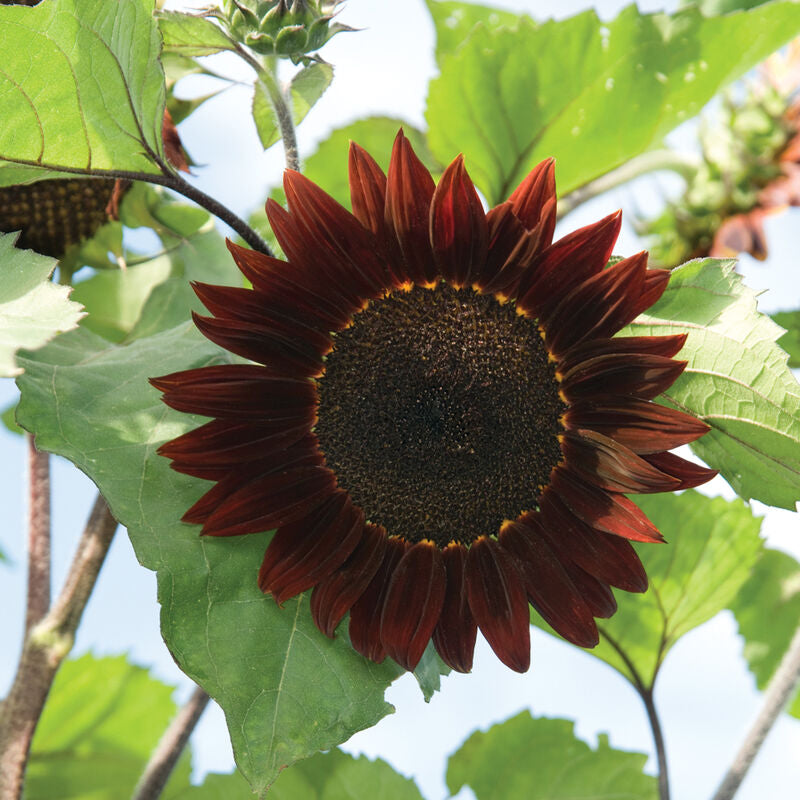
{"points": [[705, 694]]}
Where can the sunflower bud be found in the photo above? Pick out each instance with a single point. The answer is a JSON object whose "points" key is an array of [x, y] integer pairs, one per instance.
{"points": [[750, 168]]}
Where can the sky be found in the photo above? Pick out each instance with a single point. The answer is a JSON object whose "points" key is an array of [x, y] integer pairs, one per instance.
{"points": [[705, 694]]}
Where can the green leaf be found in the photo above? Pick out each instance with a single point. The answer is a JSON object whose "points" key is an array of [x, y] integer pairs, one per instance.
{"points": [[325, 776], [711, 546], [191, 35], [306, 87], [10, 420], [737, 380], [767, 609], [286, 690], [528, 758], [713, 7], [454, 22], [81, 86], [115, 299], [32, 310], [327, 167], [101, 721], [592, 94], [790, 341]]}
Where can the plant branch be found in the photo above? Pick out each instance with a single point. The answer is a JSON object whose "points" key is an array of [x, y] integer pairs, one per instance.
{"points": [[777, 694], [45, 647], [168, 750], [38, 601], [281, 102], [682, 163], [171, 180]]}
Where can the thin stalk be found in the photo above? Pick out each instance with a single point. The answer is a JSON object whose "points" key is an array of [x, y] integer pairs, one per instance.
{"points": [[658, 741], [46, 645], [38, 600], [168, 750], [777, 694], [682, 163]]}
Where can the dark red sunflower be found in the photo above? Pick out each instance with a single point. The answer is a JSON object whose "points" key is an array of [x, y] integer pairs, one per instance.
{"points": [[440, 424]]}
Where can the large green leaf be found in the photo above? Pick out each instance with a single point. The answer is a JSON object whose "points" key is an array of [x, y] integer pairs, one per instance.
{"points": [[286, 690], [32, 310], [527, 758], [592, 94], [191, 34], [454, 22], [737, 380], [711, 547], [102, 719], [789, 341], [767, 609], [81, 87]]}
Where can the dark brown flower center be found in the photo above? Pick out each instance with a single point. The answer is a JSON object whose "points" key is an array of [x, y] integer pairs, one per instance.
{"points": [[439, 413]]}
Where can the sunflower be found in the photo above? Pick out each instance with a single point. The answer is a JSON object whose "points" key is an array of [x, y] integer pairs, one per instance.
{"points": [[439, 423]]}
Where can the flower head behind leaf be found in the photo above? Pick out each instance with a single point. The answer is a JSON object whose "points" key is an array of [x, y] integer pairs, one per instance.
{"points": [[440, 423]]}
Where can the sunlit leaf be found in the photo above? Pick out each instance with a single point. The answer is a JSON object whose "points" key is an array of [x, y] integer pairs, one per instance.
{"points": [[790, 341], [32, 309], [95, 99], [527, 758], [102, 719], [592, 94], [191, 35], [737, 380], [711, 547], [286, 690], [767, 608], [454, 22]]}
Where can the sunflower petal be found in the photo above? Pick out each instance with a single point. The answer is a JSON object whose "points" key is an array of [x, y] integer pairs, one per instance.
{"points": [[409, 190], [365, 615], [549, 588], [456, 631], [459, 233], [335, 595], [367, 190], [413, 604], [606, 511], [612, 466], [498, 602], [688, 473], [304, 552], [533, 200]]}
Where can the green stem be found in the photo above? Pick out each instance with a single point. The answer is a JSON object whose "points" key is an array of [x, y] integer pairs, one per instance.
{"points": [[281, 103], [654, 161]]}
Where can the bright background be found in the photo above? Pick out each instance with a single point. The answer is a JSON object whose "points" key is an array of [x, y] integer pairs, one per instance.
{"points": [[705, 695]]}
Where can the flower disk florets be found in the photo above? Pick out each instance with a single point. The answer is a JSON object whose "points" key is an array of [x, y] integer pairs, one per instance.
{"points": [[440, 422]]}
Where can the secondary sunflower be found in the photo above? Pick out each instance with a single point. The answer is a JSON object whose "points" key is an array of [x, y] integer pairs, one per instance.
{"points": [[439, 424]]}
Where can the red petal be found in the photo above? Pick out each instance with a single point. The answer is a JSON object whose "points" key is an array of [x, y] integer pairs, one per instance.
{"points": [[365, 615], [688, 473], [409, 190], [455, 634], [303, 553], [339, 240], [666, 346], [272, 501], [640, 425], [413, 604], [568, 262], [606, 511], [607, 557], [459, 234], [550, 589], [655, 283], [610, 465], [289, 355], [334, 596], [498, 602], [534, 198], [596, 593], [638, 375], [598, 307], [367, 190]]}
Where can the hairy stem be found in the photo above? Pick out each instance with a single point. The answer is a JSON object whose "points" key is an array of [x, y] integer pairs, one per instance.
{"points": [[658, 741], [777, 694], [46, 645], [682, 163], [168, 750], [38, 601]]}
